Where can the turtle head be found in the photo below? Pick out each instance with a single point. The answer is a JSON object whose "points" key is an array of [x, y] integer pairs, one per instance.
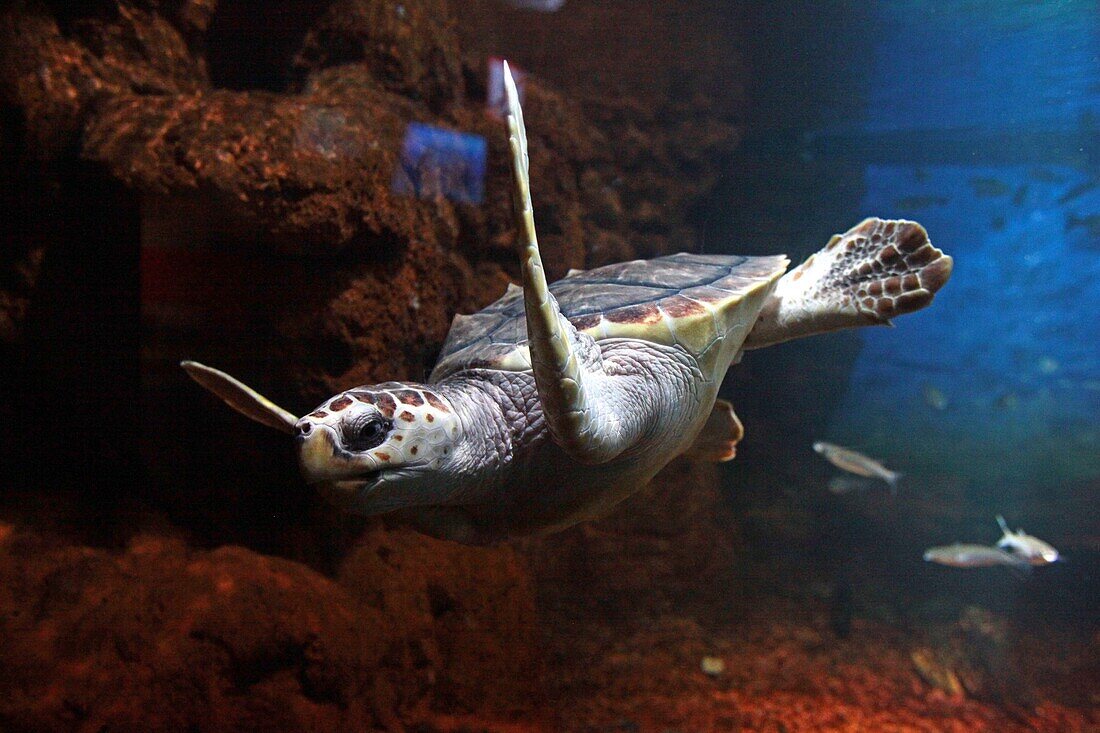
{"points": [[369, 450], [374, 449]]}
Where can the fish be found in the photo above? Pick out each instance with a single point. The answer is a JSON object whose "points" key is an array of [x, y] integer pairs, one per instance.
{"points": [[857, 463], [1045, 175], [936, 673], [997, 223], [841, 485], [545, 6], [989, 187], [1031, 550], [1090, 223], [1048, 365], [1007, 401], [934, 397], [912, 203], [1020, 196], [1079, 190], [962, 555]]}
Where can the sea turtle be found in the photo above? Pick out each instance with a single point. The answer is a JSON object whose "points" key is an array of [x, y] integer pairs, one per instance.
{"points": [[555, 403]]}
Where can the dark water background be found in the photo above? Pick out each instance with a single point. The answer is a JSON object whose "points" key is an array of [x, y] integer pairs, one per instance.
{"points": [[981, 120]]}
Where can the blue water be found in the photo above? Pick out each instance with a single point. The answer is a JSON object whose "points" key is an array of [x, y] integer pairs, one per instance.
{"points": [[999, 381], [984, 63]]}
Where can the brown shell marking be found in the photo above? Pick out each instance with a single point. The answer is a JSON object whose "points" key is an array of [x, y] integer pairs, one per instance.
{"points": [[584, 323], [645, 314], [666, 299], [436, 402], [680, 307], [339, 403], [319, 414], [409, 397], [385, 404], [406, 416]]}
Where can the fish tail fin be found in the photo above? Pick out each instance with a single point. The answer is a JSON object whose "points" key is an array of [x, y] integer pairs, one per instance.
{"points": [[893, 481]]}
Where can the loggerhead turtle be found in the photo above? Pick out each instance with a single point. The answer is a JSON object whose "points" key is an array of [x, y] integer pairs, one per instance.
{"points": [[555, 403]]}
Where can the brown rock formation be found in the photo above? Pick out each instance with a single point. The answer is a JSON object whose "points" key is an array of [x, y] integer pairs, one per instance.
{"points": [[159, 637], [249, 167]]}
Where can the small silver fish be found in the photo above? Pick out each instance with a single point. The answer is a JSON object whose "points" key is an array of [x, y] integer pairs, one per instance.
{"points": [[546, 6], [914, 203], [960, 555], [857, 463], [1030, 549], [934, 397]]}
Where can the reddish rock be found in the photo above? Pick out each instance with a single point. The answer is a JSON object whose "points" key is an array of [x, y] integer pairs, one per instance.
{"points": [[160, 637], [410, 48], [784, 671], [58, 65], [670, 544], [468, 616]]}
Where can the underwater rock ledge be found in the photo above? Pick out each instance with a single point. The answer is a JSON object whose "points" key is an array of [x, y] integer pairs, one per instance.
{"points": [[161, 637]]}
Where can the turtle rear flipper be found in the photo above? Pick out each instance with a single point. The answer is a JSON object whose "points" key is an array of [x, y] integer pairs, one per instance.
{"points": [[717, 441], [875, 271]]}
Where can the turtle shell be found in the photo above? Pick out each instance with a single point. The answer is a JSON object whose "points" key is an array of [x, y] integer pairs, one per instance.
{"points": [[691, 300]]}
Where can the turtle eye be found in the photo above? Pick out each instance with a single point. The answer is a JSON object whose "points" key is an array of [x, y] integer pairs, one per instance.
{"points": [[369, 434]]}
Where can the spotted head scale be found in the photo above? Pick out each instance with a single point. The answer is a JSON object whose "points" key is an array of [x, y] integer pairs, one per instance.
{"points": [[359, 442]]}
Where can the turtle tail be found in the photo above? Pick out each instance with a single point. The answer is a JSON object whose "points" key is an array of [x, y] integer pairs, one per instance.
{"points": [[876, 271]]}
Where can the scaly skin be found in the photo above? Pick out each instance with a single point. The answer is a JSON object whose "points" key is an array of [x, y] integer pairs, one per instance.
{"points": [[504, 474], [565, 364]]}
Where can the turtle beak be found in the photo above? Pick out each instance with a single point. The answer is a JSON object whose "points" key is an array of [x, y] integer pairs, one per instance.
{"points": [[324, 466], [317, 454], [324, 460]]}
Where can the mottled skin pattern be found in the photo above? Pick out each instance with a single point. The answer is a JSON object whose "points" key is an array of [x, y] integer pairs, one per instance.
{"points": [[558, 401], [485, 465], [874, 272]]}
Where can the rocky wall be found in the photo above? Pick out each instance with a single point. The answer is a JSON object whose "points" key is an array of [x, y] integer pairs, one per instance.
{"points": [[213, 180], [272, 242], [162, 637]]}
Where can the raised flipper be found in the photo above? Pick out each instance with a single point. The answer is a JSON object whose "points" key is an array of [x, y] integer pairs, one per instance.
{"points": [[241, 397], [875, 271], [717, 441], [561, 359]]}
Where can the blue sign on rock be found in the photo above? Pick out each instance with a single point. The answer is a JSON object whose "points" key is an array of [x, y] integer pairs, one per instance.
{"points": [[436, 162]]}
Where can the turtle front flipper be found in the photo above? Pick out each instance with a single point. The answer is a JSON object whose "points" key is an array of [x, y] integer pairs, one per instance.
{"points": [[583, 424], [877, 270], [241, 397]]}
